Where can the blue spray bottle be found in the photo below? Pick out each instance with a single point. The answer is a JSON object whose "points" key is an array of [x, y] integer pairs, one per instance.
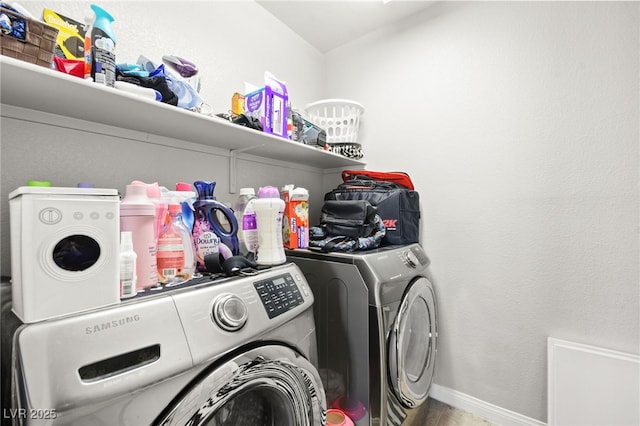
{"points": [[103, 48], [215, 228]]}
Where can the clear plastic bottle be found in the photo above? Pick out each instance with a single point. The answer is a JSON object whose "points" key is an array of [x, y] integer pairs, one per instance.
{"points": [[88, 27], [176, 260], [246, 216], [128, 273]]}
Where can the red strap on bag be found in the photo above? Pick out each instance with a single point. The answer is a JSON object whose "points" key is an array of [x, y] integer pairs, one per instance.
{"points": [[401, 178]]}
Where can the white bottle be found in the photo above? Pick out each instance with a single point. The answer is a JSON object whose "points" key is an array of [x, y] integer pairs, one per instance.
{"points": [[128, 273], [138, 215], [269, 208], [246, 217]]}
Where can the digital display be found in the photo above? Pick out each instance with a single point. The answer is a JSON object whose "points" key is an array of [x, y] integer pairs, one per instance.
{"points": [[279, 294]]}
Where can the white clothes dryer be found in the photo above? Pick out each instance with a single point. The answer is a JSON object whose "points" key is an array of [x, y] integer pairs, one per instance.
{"points": [[376, 319], [234, 351]]}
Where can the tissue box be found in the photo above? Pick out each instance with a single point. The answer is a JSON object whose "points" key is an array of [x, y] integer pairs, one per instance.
{"points": [[269, 105]]}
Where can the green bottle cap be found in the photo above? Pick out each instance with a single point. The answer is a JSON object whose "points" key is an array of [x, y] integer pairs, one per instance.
{"points": [[38, 183]]}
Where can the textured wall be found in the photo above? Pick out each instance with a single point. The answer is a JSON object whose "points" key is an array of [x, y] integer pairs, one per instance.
{"points": [[231, 42], [525, 118]]}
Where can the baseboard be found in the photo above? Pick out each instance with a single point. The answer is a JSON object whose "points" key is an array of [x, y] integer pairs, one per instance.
{"points": [[482, 409]]}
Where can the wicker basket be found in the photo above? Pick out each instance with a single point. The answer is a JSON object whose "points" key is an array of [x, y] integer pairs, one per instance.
{"points": [[38, 45]]}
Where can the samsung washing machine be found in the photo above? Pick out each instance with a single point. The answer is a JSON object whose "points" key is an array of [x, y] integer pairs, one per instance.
{"points": [[235, 351], [376, 323]]}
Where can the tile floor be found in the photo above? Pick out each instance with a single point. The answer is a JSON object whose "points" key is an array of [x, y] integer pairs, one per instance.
{"points": [[441, 414]]}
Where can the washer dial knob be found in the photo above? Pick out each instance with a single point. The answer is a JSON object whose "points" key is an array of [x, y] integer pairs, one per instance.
{"points": [[410, 259], [230, 312]]}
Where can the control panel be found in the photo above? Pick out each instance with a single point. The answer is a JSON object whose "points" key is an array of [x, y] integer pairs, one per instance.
{"points": [[278, 294], [414, 257]]}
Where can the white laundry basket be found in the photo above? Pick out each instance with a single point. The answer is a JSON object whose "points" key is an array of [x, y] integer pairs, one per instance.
{"points": [[340, 118]]}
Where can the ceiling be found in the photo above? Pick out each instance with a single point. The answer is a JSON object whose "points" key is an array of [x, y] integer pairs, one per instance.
{"points": [[327, 24]]}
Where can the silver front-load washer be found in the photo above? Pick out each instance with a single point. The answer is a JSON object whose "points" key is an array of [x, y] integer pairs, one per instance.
{"points": [[376, 322], [235, 351]]}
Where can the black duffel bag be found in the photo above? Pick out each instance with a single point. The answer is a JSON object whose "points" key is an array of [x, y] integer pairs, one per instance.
{"points": [[398, 206], [347, 225]]}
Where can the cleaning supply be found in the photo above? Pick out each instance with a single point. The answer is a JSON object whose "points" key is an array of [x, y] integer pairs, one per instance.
{"points": [[269, 208], [155, 196], [128, 273], [185, 194], [88, 27], [215, 227], [246, 217], [103, 48], [295, 224], [138, 216], [176, 261]]}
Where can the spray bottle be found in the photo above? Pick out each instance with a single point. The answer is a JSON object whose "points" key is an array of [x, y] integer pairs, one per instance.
{"points": [[103, 48], [128, 259], [176, 262]]}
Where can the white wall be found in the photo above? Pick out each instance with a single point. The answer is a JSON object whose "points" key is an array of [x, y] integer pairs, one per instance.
{"points": [[518, 122], [231, 42], [525, 116]]}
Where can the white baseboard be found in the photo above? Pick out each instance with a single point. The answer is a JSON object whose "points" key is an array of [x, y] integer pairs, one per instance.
{"points": [[479, 408]]}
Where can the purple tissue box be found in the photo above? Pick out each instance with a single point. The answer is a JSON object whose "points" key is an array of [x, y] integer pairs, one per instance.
{"points": [[270, 107]]}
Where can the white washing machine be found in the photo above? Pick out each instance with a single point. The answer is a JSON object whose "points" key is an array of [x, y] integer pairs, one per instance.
{"points": [[237, 351], [376, 322]]}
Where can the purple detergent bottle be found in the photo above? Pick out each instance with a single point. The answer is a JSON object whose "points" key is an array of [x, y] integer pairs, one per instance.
{"points": [[215, 228]]}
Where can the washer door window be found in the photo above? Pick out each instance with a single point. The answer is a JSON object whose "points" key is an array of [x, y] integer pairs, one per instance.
{"points": [[413, 344], [271, 385], [76, 253]]}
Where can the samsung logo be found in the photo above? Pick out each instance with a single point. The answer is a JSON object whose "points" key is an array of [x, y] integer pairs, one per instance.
{"points": [[112, 324]]}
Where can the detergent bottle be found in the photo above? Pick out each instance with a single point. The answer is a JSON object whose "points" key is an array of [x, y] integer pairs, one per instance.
{"points": [[103, 48], [247, 227], [137, 215], [215, 228], [155, 196], [269, 209]]}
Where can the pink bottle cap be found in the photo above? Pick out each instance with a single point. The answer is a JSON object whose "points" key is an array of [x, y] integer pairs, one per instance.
{"points": [[183, 186], [153, 189], [136, 202]]}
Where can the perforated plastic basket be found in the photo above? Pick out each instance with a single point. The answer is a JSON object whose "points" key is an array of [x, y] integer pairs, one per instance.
{"points": [[340, 118]]}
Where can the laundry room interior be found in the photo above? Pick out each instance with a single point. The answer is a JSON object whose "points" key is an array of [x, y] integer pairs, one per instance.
{"points": [[518, 123]]}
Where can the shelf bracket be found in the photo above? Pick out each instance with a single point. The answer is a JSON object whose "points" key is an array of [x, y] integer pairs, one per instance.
{"points": [[233, 167]]}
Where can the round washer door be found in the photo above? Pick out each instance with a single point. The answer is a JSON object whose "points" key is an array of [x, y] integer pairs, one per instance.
{"points": [[413, 344], [269, 385]]}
